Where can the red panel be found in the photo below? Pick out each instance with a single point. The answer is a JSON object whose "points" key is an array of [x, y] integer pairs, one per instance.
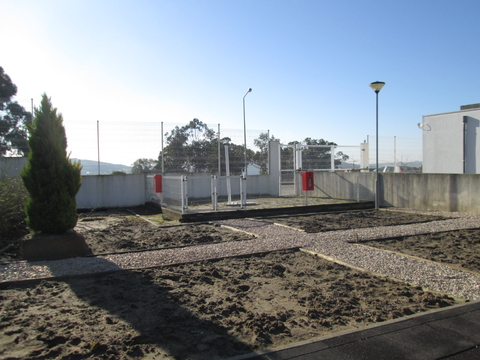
{"points": [[157, 183], [307, 181]]}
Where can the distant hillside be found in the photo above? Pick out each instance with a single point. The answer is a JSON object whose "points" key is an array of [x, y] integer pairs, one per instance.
{"points": [[347, 165], [416, 164], [90, 167]]}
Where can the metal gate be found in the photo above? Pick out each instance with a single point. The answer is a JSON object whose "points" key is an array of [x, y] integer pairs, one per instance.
{"points": [[296, 158], [287, 170]]}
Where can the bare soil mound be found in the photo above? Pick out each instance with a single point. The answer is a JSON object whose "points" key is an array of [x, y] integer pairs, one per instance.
{"points": [[204, 310]]}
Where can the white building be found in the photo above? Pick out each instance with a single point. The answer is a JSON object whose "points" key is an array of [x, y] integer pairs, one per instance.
{"points": [[451, 141]]}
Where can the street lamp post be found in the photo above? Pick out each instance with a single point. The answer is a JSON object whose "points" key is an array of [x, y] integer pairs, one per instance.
{"points": [[376, 86], [245, 132]]}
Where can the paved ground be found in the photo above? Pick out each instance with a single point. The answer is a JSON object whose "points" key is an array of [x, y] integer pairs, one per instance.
{"points": [[453, 333]]}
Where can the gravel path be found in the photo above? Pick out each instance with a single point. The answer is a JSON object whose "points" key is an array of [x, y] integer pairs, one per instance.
{"points": [[340, 246]]}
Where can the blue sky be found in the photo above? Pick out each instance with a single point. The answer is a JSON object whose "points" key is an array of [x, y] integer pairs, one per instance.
{"points": [[309, 63]]}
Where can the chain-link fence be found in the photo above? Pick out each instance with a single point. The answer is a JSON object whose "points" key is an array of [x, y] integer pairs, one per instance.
{"points": [[108, 146], [138, 146], [128, 144], [399, 150]]}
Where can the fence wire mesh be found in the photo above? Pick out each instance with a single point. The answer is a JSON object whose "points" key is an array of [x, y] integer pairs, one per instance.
{"points": [[123, 143], [101, 143]]}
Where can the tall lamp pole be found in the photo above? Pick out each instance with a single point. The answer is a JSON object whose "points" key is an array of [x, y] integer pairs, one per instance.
{"points": [[245, 132], [376, 86]]}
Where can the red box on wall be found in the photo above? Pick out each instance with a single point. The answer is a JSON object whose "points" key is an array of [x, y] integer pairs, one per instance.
{"points": [[307, 181], [157, 183]]}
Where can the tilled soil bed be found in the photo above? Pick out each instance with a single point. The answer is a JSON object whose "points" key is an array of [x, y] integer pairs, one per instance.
{"points": [[133, 234], [459, 248], [207, 309], [121, 231], [314, 223], [202, 310]]}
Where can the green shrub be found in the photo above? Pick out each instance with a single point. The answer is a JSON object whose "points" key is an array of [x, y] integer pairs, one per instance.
{"points": [[51, 178], [12, 201]]}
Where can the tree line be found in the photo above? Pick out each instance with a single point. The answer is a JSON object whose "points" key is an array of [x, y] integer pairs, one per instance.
{"points": [[193, 148]]}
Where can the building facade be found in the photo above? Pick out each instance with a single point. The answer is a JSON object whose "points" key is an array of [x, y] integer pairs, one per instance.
{"points": [[451, 143]]}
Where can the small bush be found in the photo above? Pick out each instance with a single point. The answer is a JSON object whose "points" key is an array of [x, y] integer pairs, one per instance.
{"points": [[12, 206]]}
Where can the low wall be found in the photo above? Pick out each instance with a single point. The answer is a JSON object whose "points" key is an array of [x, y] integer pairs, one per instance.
{"points": [[131, 190], [109, 191], [354, 186], [443, 192], [10, 167]]}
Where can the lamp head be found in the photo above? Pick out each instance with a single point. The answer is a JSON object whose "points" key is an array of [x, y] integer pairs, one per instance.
{"points": [[377, 86], [249, 90]]}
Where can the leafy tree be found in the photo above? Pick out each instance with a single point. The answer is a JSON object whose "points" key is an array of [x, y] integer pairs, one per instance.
{"points": [[51, 178], [320, 158], [312, 157], [261, 156], [236, 157], [13, 119], [194, 148], [191, 148], [144, 166]]}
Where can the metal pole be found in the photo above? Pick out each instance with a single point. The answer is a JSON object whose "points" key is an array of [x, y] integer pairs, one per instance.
{"points": [[244, 137], [245, 133], [219, 154], [163, 162], [268, 152], [376, 161], [394, 153], [98, 145], [227, 174]]}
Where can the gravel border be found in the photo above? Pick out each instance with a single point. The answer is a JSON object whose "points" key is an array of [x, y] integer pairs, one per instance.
{"points": [[342, 246]]}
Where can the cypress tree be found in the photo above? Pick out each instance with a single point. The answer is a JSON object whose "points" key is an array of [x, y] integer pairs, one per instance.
{"points": [[51, 178]]}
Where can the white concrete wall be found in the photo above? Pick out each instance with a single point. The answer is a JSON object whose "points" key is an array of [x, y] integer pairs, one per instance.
{"points": [[353, 186], [10, 167], [443, 192], [111, 191], [443, 148]]}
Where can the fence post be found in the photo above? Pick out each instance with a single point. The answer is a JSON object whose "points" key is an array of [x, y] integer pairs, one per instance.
{"points": [[184, 189], [243, 191], [214, 192], [332, 158]]}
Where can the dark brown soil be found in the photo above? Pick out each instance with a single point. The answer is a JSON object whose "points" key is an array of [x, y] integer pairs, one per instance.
{"points": [[132, 234], [458, 248], [121, 231], [210, 309], [314, 223], [203, 310]]}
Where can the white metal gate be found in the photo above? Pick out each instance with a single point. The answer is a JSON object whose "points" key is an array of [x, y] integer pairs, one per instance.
{"points": [[297, 158], [287, 170]]}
